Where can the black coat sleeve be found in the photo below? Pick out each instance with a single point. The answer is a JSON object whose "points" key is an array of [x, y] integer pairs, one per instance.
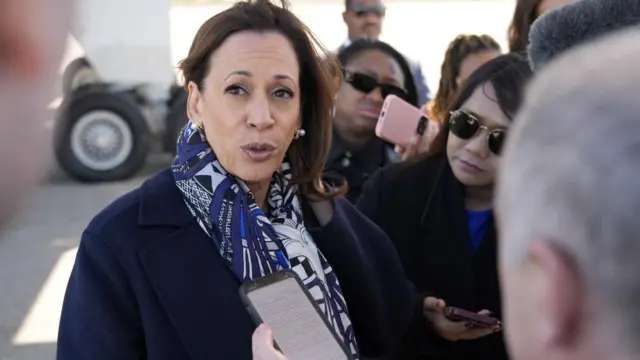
{"points": [[99, 316]]}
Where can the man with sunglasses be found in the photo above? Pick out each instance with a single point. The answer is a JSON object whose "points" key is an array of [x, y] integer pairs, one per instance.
{"points": [[364, 20]]}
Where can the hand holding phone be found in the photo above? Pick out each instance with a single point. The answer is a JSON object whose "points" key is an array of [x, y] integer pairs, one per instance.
{"points": [[419, 144], [434, 312], [299, 326], [262, 345]]}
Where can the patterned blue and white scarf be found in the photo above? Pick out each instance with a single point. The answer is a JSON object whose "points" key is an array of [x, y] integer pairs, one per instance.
{"points": [[255, 244]]}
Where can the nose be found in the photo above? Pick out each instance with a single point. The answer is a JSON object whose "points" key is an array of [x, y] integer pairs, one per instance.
{"points": [[259, 116], [376, 95], [478, 145], [371, 18]]}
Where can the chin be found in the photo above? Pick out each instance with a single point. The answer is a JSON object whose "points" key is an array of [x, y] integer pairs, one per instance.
{"points": [[365, 125], [471, 180], [251, 172]]}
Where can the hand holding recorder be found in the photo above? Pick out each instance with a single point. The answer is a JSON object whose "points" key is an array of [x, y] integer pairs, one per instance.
{"points": [[297, 327], [455, 324], [262, 345]]}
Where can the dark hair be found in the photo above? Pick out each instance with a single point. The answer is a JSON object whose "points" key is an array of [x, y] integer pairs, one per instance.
{"points": [[309, 153], [361, 45], [507, 74], [459, 49], [525, 14]]}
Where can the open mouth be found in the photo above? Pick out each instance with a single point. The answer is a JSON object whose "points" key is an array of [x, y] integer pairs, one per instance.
{"points": [[259, 152]]}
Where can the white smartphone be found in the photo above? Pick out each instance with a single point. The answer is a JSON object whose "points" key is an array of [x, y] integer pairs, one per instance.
{"points": [[300, 329]]}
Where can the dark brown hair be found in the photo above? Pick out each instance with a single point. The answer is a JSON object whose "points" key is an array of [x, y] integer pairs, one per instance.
{"points": [[317, 73], [524, 15], [508, 74], [458, 50]]}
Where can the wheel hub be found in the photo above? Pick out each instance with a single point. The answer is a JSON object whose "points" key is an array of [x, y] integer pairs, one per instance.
{"points": [[101, 140]]}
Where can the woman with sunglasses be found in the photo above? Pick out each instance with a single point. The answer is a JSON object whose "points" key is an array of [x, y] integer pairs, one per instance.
{"points": [[372, 70], [437, 209]]}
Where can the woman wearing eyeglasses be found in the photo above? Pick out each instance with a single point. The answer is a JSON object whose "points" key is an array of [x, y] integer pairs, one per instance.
{"points": [[372, 71], [437, 209]]}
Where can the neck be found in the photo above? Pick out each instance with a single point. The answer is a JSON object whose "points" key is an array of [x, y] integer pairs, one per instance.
{"points": [[353, 38], [259, 191], [478, 198], [351, 141]]}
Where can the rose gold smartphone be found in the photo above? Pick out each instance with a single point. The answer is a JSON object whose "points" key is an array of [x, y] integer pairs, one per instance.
{"points": [[400, 121]]}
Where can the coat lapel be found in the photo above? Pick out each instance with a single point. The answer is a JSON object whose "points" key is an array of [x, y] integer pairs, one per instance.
{"points": [[190, 278]]}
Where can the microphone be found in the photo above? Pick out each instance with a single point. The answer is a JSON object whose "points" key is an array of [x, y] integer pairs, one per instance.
{"points": [[575, 23]]}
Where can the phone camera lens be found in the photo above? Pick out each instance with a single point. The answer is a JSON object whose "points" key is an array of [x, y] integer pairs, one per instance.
{"points": [[422, 125]]}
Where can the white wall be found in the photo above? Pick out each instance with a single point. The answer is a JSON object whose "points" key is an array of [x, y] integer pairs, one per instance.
{"points": [[420, 30]]}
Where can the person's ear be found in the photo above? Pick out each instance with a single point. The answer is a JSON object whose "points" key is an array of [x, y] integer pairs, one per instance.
{"points": [[193, 102], [345, 17], [562, 294]]}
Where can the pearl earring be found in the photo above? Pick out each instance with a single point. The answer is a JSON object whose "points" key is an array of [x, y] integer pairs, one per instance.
{"points": [[300, 133]]}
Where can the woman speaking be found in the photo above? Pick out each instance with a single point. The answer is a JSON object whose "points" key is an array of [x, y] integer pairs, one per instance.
{"points": [[158, 271]]}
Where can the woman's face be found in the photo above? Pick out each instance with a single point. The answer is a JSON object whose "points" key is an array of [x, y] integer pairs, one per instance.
{"points": [[471, 160], [250, 103], [473, 61], [546, 5], [357, 109]]}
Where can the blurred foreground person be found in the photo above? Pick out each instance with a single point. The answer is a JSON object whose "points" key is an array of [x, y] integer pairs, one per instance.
{"points": [[526, 12], [438, 211], [158, 272], [568, 201], [576, 23], [33, 34]]}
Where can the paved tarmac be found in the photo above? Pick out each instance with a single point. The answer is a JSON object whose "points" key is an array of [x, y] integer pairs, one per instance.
{"points": [[37, 254]]}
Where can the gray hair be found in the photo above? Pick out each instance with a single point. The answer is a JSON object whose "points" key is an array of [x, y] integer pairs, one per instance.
{"points": [[571, 171], [566, 26]]}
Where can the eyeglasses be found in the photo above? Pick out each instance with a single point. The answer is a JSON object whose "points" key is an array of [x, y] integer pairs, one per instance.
{"points": [[362, 10], [366, 84], [465, 126]]}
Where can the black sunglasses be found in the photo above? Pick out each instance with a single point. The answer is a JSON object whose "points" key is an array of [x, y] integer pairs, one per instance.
{"points": [[366, 84], [465, 126], [362, 10]]}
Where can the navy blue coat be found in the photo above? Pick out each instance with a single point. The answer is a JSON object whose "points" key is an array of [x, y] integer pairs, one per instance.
{"points": [[149, 284]]}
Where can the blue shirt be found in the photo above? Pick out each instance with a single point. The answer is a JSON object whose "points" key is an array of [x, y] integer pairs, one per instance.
{"points": [[478, 224]]}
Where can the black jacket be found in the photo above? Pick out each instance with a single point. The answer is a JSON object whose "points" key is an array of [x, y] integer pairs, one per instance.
{"points": [[148, 283], [420, 205], [355, 168]]}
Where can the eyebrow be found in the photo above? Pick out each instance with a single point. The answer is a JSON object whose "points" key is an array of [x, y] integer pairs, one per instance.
{"points": [[249, 74]]}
